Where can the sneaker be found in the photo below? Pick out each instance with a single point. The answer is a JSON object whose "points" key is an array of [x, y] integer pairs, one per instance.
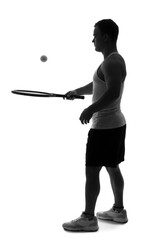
{"points": [[82, 224], [113, 215]]}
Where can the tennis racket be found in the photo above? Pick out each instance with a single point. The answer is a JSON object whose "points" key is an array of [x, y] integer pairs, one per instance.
{"points": [[42, 94]]}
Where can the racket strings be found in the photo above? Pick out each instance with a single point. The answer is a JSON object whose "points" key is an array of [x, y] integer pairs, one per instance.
{"points": [[31, 93]]}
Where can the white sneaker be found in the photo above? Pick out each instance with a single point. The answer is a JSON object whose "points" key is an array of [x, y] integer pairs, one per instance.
{"points": [[113, 215], [82, 224]]}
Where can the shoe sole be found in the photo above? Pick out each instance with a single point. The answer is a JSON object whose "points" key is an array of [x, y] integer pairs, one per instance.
{"points": [[82, 230], [113, 220]]}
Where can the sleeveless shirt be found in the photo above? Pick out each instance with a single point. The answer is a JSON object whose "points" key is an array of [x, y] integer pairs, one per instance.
{"points": [[111, 116]]}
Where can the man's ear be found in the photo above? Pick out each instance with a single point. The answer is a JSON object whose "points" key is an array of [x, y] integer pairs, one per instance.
{"points": [[105, 37]]}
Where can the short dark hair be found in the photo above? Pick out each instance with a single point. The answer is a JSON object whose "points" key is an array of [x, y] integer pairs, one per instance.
{"points": [[108, 26]]}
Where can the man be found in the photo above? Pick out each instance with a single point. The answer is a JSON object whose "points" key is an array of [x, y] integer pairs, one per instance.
{"points": [[106, 138]]}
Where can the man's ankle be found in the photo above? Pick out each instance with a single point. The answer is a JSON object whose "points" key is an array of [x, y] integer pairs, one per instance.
{"points": [[118, 208], [88, 215]]}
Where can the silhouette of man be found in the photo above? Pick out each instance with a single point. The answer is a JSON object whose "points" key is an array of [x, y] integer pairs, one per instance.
{"points": [[106, 138]]}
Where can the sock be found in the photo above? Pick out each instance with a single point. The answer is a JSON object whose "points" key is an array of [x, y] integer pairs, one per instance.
{"points": [[88, 215], [119, 209]]}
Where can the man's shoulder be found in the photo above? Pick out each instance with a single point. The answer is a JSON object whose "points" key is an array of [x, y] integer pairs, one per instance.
{"points": [[113, 60], [114, 63], [115, 57]]}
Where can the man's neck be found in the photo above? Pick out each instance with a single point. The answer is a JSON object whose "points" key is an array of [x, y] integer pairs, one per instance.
{"points": [[108, 51]]}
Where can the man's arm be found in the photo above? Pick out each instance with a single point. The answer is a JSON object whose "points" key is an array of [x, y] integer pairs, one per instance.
{"points": [[86, 90], [113, 73]]}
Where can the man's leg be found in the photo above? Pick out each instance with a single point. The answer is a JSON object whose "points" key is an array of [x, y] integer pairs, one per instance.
{"points": [[92, 189], [117, 184]]}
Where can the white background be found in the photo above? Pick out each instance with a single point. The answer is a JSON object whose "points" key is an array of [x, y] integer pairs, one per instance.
{"points": [[42, 141]]}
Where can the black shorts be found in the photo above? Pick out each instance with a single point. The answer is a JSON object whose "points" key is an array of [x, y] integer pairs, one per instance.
{"points": [[105, 147]]}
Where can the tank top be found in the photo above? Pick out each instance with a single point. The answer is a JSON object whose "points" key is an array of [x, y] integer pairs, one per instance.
{"points": [[111, 116]]}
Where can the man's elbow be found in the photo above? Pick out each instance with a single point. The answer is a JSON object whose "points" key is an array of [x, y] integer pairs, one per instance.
{"points": [[114, 96]]}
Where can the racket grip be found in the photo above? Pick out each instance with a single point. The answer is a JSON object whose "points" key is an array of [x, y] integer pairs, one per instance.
{"points": [[78, 97]]}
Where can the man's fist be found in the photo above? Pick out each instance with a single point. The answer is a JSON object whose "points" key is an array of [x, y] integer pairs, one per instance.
{"points": [[70, 95]]}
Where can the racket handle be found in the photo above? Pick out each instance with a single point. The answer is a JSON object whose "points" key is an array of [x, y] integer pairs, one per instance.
{"points": [[78, 97], [75, 96]]}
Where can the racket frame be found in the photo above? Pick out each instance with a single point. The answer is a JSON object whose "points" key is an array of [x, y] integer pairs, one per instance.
{"points": [[42, 94]]}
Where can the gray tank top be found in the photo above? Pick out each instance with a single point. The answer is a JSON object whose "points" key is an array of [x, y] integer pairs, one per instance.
{"points": [[110, 117]]}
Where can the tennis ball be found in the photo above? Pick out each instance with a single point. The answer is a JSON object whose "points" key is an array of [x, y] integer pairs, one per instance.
{"points": [[43, 58]]}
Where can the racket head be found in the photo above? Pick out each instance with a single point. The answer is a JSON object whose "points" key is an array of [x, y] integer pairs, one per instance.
{"points": [[42, 94], [32, 93]]}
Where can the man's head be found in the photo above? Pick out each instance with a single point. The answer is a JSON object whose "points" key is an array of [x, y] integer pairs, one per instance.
{"points": [[106, 31]]}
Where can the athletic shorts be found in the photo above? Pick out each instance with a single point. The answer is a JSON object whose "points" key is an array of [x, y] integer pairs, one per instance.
{"points": [[105, 147]]}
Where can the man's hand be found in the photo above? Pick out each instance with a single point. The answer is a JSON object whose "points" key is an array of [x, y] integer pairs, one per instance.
{"points": [[86, 115], [70, 95]]}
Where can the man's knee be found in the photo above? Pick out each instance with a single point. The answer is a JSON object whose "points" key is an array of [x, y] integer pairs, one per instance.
{"points": [[92, 171], [112, 170]]}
